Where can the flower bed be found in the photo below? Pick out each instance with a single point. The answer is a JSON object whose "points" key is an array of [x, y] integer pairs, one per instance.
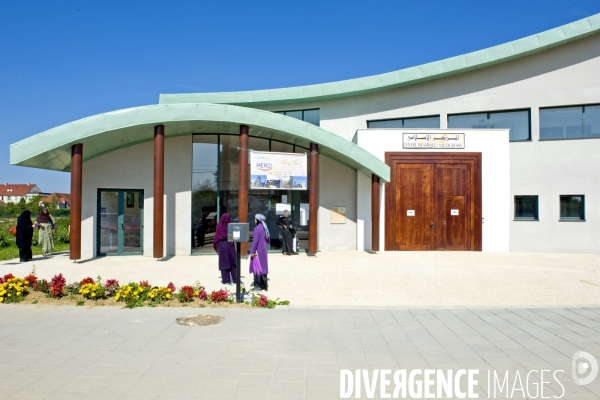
{"points": [[90, 292]]}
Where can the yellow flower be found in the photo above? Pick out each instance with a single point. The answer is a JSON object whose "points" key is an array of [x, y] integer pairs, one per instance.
{"points": [[1, 299], [18, 293], [93, 294], [168, 296]]}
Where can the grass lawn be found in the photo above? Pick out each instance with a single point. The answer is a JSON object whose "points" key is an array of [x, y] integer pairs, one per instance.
{"points": [[8, 253], [8, 243]]}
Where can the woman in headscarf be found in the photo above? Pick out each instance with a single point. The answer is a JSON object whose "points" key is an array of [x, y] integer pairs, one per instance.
{"points": [[45, 225], [226, 251], [259, 249], [287, 232], [24, 236]]}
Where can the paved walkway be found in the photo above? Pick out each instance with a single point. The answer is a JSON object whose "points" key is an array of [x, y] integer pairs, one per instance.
{"points": [[112, 353], [357, 279]]}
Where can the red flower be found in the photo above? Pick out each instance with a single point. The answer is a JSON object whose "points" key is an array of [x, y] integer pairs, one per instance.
{"points": [[202, 295], [32, 279], [219, 296], [145, 285], [172, 287], [263, 301], [87, 280], [6, 277], [58, 285], [186, 294]]}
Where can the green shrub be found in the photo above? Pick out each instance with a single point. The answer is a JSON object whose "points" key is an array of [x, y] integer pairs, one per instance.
{"points": [[62, 230]]}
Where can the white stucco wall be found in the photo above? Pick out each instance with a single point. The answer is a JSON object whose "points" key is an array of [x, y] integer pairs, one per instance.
{"points": [[494, 146], [548, 170], [132, 168], [337, 188], [562, 76]]}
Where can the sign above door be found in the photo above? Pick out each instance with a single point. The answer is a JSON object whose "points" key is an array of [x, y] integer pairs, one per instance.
{"points": [[433, 140]]}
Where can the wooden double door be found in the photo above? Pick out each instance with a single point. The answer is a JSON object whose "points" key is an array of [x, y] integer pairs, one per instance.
{"points": [[433, 201]]}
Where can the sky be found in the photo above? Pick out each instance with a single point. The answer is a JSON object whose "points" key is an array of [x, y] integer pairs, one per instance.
{"points": [[65, 60]]}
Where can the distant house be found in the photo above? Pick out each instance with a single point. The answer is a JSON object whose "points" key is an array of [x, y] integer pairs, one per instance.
{"points": [[63, 200], [14, 192]]}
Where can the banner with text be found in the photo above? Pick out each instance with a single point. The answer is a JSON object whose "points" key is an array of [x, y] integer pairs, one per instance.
{"points": [[433, 140], [270, 170]]}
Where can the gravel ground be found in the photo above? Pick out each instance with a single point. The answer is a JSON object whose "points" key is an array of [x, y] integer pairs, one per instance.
{"points": [[360, 279]]}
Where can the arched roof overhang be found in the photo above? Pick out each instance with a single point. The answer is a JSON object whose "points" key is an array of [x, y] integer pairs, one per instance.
{"points": [[110, 131]]}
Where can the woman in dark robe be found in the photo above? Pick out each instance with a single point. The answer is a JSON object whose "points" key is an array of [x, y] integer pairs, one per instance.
{"points": [[24, 236], [261, 237], [287, 232], [226, 251]]}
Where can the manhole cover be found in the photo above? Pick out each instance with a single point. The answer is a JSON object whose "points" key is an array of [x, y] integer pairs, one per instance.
{"points": [[200, 320]]}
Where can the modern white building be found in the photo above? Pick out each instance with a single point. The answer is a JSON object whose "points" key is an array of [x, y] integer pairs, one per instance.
{"points": [[495, 150]]}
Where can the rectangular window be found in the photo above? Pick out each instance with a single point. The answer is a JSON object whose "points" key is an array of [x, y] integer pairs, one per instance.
{"points": [[416, 122], [310, 116], [526, 208], [570, 122], [572, 208], [517, 121]]}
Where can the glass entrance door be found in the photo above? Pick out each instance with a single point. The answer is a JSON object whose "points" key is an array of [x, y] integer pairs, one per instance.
{"points": [[120, 222]]}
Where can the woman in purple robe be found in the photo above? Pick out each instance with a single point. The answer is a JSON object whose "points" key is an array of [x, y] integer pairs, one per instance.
{"points": [[226, 251], [259, 249]]}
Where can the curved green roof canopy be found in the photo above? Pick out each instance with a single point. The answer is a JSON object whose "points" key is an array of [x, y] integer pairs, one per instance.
{"points": [[404, 77], [107, 132]]}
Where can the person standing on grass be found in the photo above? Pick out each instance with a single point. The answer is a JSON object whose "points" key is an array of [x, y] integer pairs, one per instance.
{"points": [[46, 226], [25, 236], [226, 251]]}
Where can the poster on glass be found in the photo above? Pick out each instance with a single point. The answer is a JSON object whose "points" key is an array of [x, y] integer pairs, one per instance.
{"points": [[270, 170]]}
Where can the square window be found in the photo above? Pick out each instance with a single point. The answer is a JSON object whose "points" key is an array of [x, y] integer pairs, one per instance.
{"points": [[572, 207], [526, 208]]}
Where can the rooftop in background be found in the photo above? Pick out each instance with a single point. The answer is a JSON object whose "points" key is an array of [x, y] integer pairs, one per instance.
{"points": [[404, 77], [18, 189], [61, 199]]}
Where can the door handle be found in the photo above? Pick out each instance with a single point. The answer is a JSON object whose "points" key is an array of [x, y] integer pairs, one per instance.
{"points": [[444, 223], [432, 225], [123, 226]]}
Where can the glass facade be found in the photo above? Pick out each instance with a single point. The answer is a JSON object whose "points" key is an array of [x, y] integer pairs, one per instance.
{"points": [[526, 208], [517, 121], [570, 122], [215, 172], [572, 208], [311, 116], [120, 222], [417, 122]]}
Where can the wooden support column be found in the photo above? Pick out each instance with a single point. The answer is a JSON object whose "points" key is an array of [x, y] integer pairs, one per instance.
{"points": [[375, 206], [243, 182], [313, 200], [76, 182], [159, 190]]}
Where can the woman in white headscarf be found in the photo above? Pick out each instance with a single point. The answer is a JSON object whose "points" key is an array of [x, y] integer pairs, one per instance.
{"points": [[259, 249]]}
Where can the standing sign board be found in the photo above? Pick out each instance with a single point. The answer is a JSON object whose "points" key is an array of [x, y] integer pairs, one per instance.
{"points": [[270, 170], [433, 140]]}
